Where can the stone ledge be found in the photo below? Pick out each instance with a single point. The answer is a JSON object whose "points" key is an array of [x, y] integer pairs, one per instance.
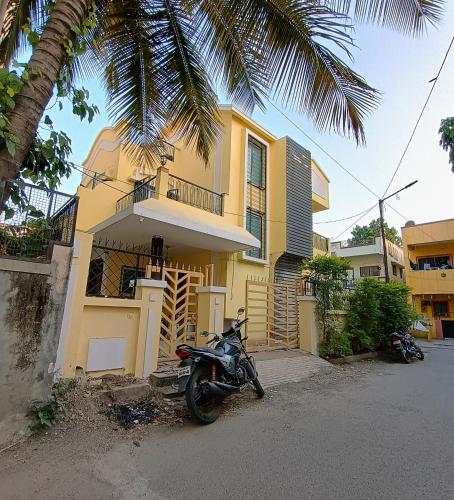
{"points": [[132, 392], [356, 357]]}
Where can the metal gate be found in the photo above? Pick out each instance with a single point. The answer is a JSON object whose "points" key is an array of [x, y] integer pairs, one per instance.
{"points": [[179, 310], [273, 315]]}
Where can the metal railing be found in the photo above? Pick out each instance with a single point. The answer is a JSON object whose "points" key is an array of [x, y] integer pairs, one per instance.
{"points": [[144, 191], [320, 242], [194, 195], [115, 268], [33, 219]]}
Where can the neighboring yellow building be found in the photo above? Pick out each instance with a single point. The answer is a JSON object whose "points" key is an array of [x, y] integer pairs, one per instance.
{"points": [[243, 220], [428, 252]]}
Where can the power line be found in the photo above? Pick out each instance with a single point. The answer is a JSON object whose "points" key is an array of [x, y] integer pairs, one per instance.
{"points": [[356, 222], [345, 169], [435, 80], [340, 220]]}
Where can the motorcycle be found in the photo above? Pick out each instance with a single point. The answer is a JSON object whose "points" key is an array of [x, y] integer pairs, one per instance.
{"points": [[207, 376], [404, 344]]}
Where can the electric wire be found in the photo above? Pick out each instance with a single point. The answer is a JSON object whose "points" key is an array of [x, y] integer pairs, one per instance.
{"points": [[435, 80]]}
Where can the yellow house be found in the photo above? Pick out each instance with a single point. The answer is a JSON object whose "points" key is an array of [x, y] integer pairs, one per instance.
{"points": [[428, 253], [202, 240]]}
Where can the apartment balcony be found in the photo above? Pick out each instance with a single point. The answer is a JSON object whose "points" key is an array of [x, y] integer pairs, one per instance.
{"points": [[187, 216], [431, 282], [320, 244]]}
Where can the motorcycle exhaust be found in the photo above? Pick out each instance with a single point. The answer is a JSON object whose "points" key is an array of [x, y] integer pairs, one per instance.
{"points": [[221, 390]]}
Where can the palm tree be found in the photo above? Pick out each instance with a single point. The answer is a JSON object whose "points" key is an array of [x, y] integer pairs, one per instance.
{"points": [[161, 60]]}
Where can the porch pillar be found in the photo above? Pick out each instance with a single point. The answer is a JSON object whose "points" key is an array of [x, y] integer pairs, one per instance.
{"points": [[150, 293], [307, 324], [210, 311], [162, 182]]}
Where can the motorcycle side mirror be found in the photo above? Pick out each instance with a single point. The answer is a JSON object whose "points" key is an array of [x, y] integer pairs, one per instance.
{"points": [[241, 311], [204, 333]]}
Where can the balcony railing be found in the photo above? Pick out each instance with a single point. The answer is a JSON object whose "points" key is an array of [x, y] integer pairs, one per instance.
{"points": [[194, 195], [33, 219], [146, 190], [320, 242]]}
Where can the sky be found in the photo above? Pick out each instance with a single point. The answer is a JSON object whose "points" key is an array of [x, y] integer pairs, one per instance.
{"points": [[400, 67]]}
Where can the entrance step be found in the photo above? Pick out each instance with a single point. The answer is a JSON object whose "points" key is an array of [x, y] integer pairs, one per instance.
{"points": [[165, 375]]}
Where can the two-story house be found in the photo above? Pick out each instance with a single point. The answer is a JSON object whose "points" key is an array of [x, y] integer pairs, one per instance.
{"points": [[242, 223], [428, 252], [367, 259]]}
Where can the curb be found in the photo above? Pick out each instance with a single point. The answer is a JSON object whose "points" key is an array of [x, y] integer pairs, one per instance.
{"points": [[355, 358]]}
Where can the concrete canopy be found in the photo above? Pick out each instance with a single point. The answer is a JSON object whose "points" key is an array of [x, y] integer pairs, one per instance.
{"points": [[182, 226]]}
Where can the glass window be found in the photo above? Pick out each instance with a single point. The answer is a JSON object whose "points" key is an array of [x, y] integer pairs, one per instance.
{"points": [[256, 163], [433, 262], [254, 224], [394, 269], [367, 271]]}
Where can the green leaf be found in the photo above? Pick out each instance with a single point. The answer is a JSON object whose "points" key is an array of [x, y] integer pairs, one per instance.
{"points": [[11, 147], [47, 120], [10, 92]]}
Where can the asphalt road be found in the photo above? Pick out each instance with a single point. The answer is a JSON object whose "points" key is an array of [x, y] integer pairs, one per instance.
{"points": [[385, 434]]}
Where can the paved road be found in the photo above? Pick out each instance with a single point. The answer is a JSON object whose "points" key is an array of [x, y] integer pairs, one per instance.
{"points": [[388, 434]]}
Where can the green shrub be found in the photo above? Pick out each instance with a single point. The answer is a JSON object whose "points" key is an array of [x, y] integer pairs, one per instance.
{"points": [[376, 309], [336, 341], [45, 413]]}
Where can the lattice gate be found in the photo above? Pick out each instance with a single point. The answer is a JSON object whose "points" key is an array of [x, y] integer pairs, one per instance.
{"points": [[273, 315], [179, 310]]}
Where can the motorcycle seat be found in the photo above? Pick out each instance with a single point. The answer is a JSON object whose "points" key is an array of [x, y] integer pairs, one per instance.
{"points": [[209, 350]]}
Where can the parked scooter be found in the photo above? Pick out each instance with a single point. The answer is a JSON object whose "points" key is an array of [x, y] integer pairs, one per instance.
{"points": [[404, 344], [207, 375]]}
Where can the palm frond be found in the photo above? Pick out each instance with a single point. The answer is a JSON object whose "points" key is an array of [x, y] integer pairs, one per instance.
{"points": [[232, 55], [306, 75], [407, 16], [126, 52], [190, 101], [12, 38]]}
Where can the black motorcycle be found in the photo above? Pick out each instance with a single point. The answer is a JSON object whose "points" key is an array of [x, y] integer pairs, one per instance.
{"points": [[207, 376], [403, 344]]}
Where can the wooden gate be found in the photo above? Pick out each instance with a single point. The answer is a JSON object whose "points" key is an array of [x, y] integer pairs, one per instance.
{"points": [[179, 310], [273, 315]]}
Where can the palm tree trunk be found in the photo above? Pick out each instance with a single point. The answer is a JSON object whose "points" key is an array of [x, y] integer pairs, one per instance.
{"points": [[48, 58]]}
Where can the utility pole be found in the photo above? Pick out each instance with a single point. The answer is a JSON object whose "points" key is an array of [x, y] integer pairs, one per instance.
{"points": [[382, 228]]}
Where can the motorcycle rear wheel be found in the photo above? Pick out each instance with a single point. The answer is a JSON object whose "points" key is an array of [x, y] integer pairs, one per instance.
{"points": [[406, 356], [203, 411]]}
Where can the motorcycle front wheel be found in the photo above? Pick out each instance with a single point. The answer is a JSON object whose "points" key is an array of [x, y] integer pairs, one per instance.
{"points": [[203, 408], [420, 355], [258, 387]]}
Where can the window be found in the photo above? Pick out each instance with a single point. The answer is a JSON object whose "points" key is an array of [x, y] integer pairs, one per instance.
{"points": [[129, 275], [367, 271], [254, 224], [255, 195], [433, 262], [256, 163], [401, 272], [394, 269], [441, 309]]}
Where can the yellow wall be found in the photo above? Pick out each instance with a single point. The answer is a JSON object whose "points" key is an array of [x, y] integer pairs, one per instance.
{"points": [[426, 240]]}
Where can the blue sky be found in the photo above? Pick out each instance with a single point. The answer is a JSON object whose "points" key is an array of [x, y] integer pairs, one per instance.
{"points": [[400, 67]]}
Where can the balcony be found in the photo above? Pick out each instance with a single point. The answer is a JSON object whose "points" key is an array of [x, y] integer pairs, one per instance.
{"points": [[434, 281], [174, 188]]}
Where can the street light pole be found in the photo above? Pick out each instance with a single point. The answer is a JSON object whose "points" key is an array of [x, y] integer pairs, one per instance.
{"points": [[382, 227]]}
